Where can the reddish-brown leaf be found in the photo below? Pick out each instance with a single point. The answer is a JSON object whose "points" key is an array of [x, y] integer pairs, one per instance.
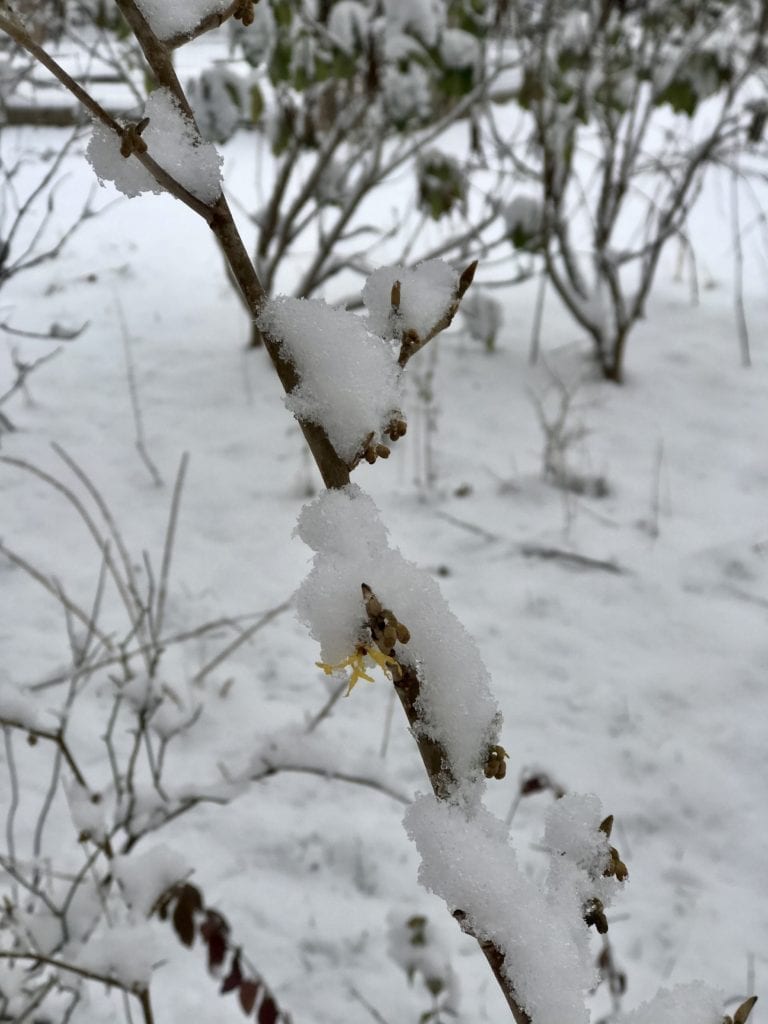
{"points": [[248, 992], [235, 976], [268, 1011], [188, 901], [215, 932]]}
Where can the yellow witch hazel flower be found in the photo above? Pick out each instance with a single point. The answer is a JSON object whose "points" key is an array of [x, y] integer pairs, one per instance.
{"points": [[356, 662]]}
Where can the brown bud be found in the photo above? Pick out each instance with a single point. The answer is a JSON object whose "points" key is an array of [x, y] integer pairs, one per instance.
{"points": [[467, 278], [370, 456], [594, 914], [372, 603], [743, 1012], [389, 636], [403, 633], [495, 766], [382, 451], [606, 825]]}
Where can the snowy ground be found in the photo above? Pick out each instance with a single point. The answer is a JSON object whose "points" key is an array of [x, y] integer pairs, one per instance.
{"points": [[644, 685]]}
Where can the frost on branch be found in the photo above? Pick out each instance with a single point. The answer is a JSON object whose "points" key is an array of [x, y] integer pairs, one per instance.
{"points": [[168, 18], [172, 141], [426, 293], [349, 380], [455, 705], [468, 861]]}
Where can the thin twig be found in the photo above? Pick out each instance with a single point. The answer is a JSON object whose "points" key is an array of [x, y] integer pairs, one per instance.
{"points": [[244, 637], [170, 537], [133, 391]]}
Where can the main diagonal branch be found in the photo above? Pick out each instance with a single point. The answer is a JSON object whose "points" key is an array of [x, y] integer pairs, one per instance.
{"points": [[334, 471]]}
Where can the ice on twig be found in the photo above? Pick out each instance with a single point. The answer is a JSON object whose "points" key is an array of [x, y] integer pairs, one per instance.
{"points": [[426, 294], [172, 141], [168, 18], [349, 380], [468, 861], [455, 704]]}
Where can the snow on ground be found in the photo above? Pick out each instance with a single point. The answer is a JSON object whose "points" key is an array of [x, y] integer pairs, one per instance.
{"points": [[645, 685]]}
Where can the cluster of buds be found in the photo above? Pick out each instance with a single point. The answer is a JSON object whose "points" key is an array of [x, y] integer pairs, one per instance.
{"points": [[616, 867], [594, 914], [385, 628], [397, 428], [245, 12], [373, 450], [496, 762]]}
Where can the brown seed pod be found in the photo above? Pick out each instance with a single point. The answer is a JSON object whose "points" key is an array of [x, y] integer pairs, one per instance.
{"points": [[382, 451], [403, 633]]}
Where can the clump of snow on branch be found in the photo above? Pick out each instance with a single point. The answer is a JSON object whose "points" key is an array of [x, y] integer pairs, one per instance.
{"points": [[468, 861], [422, 18], [426, 293], [483, 316], [524, 214], [349, 380], [125, 952], [168, 18], [349, 24], [455, 705], [694, 1002], [459, 49], [572, 830], [579, 855], [144, 877], [407, 93], [172, 141]]}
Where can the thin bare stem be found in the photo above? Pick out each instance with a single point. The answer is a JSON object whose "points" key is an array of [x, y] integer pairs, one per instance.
{"points": [[244, 637], [170, 537], [133, 391]]}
